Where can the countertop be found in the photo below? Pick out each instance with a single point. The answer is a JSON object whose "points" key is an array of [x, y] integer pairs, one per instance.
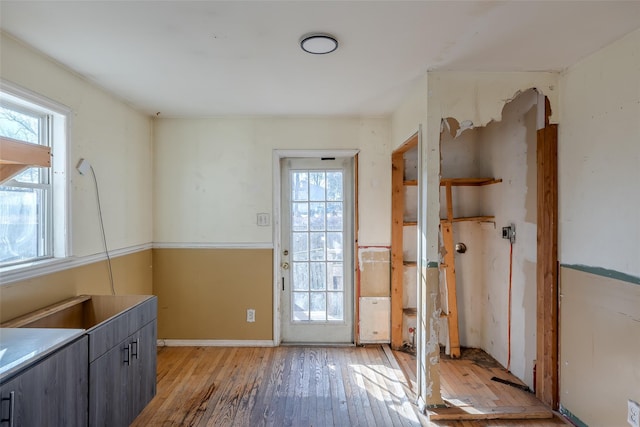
{"points": [[20, 347]]}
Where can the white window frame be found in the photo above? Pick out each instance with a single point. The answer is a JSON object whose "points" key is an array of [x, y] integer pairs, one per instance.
{"points": [[59, 217]]}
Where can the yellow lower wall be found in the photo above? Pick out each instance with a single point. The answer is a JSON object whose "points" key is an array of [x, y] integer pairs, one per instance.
{"points": [[132, 275], [599, 347], [204, 294]]}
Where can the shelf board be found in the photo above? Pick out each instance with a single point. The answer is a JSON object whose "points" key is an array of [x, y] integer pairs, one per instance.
{"points": [[410, 263], [411, 182], [409, 223], [15, 156], [469, 219], [468, 182]]}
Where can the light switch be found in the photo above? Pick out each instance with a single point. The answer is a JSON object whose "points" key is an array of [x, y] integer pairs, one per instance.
{"points": [[263, 219]]}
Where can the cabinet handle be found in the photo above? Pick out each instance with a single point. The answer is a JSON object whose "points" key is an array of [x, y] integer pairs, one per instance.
{"points": [[134, 353], [127, 353], [12, 402]]}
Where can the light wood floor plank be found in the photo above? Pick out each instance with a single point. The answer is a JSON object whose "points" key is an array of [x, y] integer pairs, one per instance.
{"points": [[316, 386]]}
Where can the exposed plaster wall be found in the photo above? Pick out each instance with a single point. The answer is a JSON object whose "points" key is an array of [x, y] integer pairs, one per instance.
{"points": [[599, 159], [466, 96], [599, 233]]}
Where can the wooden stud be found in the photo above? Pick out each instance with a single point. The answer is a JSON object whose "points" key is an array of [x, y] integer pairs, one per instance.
{"points": [[547, 266], [397, 223], [450, 275]]}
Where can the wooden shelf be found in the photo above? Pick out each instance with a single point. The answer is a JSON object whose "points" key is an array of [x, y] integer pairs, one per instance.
{"points": [[486, 218], [409, 223], [468, 182], [446, 226], [16, 156], [411, 182], [410, 263]]}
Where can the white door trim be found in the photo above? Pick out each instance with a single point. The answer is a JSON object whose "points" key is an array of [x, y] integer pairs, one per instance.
{"points": [[277, 244]]}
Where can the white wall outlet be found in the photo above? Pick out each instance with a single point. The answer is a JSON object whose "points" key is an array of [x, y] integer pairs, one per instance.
{"points": [[263, 219], [633, 415], [251, 315]]}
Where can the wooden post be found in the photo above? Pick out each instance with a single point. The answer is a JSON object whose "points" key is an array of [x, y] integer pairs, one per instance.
{"points": [[450, 275], [547, 267], [397, 223]]}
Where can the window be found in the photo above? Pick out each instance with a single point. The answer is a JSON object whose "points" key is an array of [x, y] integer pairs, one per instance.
{"points": [[33, 202]]}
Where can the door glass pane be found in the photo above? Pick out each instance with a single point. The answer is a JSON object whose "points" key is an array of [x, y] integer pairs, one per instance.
{"points": [[317, 246], [300, 306], [335, 306], [334, 246], [300, 245], [318, 276], [318, 306], [334, 216], [334, 276], [300, 276], [316, 186], [300, 216], [299, 186], [334, 185], [316, 216]]}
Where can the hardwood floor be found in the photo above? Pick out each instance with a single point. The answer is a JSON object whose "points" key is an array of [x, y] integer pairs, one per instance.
{"points": [[282, 386], [474, 399]]}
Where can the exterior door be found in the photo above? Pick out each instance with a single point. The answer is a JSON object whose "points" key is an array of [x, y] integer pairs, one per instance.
{"points": [[317, 250]]}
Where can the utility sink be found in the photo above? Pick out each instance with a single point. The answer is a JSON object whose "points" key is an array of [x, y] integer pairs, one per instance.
{"points": [[81, 312]]}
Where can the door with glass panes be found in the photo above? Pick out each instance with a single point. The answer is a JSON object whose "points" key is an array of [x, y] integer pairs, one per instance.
{"points": [[317, 250]]}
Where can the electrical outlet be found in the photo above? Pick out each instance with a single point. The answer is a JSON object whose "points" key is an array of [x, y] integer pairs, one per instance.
{"points": [[633, 415], [251, 315]]}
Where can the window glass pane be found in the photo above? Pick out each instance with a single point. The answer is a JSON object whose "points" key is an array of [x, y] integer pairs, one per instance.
{"points": [[334, 216], [300, 306], [19, 125], [300, 216], [316, 186], [300, 247], [299, 186], [335, 306], [300, 276], [317, 246], [33, 176], [316, 217], [318, 276], [20, 224], [334, 246], [334, 185], [318, 306], [334, 276]]}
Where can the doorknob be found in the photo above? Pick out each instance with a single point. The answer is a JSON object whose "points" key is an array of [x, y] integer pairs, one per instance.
{"points": [[285, 265]]}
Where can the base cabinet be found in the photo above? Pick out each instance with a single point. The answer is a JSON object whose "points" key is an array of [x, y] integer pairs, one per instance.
{"points": [[52, 392], [122, 381]]}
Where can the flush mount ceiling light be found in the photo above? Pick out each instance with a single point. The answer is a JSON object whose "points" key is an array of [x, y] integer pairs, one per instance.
{"points": [[318, 43]]}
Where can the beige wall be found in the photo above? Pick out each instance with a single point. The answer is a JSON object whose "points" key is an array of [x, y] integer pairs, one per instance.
{"points": [[599, 346], [132, 275], [204, 294]]}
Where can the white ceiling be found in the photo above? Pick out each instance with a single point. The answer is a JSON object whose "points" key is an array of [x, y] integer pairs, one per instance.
{"points": [[214, 58]]}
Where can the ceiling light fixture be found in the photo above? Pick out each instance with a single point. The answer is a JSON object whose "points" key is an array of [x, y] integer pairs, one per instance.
{"points": [[318, 43]]}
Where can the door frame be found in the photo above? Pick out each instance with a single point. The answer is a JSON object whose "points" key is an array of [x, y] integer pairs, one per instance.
{"points": [[277, 226]]}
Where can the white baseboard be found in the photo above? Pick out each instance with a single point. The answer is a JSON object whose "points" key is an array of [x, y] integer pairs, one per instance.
{"points": [[215, 343]]}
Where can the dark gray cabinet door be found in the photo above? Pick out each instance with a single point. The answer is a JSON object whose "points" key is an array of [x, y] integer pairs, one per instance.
{"points": [[52, 392], [143, 375], [109, 404]]}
